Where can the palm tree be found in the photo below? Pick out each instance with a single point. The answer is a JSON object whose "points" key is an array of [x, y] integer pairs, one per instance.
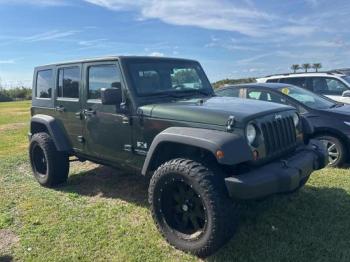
{"points": [[295, 68], [317, 66], [306, 67]]}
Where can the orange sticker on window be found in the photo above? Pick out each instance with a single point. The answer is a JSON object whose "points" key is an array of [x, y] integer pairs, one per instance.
{"points": [[285, 90]]}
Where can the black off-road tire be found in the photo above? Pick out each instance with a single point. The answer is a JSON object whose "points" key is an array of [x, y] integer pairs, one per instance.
{"points": [[339, 147], [221, 214], [50, 167]]}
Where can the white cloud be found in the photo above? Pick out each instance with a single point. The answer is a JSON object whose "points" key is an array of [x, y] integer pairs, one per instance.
{"points": [[50, 35], [209, 14], [9, 61], [36, 2], [159, 54]]}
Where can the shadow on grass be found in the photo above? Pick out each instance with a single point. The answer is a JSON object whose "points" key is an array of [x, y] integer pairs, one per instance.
{"points": [[106, 182], [310, 225]]}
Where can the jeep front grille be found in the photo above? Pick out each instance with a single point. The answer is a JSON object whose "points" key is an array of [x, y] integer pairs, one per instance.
{"points": [[279, 136]]}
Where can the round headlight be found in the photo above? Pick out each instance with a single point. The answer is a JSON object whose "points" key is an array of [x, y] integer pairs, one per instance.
{"points": [[251, 133], [296, 119]]}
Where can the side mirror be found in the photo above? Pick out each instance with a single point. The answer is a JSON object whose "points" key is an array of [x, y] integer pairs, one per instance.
{"points": [[346, 93], [111, 96]]}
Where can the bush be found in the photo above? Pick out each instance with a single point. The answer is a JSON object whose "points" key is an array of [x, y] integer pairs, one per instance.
{"points": [[233, 82]]}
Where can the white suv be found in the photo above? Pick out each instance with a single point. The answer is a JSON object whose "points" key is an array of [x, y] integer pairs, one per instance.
{"points": [[333, 85]]}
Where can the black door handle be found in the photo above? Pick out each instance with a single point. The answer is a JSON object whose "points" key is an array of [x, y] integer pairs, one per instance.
{"points": [[59, 108], [89, 112]]}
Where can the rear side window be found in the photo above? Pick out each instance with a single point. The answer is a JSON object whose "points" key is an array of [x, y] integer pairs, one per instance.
{"points": [[44, 84], [68, 82], [297, 81], [272, 80], [102, 76]]}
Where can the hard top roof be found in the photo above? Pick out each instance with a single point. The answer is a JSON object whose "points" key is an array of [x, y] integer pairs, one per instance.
{"points": [[109, 58]]}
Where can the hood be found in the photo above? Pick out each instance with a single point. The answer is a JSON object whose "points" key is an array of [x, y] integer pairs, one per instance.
{"points": [[343, 110], [214, 110]]}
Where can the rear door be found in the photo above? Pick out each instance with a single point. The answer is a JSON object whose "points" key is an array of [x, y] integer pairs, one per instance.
{"points": [[68, 103], [107, 132]]}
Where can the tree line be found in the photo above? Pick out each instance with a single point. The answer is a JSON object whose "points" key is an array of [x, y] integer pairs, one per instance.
{"points": [[12, 94]]}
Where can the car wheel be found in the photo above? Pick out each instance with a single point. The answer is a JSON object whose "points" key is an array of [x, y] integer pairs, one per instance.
{"points": [[50, 167], [191, 207], [335, 149]]}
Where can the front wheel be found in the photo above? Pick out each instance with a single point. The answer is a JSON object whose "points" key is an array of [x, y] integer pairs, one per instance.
{"points": [[335, 149], [191, 207]]}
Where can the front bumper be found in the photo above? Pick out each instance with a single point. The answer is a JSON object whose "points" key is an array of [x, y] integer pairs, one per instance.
{"points": [[284, 175]]}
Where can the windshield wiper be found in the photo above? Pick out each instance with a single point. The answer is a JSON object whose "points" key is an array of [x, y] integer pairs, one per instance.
{"points": [[336, 105], [199, 91]]}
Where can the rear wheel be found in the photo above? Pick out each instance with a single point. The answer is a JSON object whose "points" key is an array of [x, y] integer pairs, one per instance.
{"points": [[191, 207], [335, 149], [50, 167]]}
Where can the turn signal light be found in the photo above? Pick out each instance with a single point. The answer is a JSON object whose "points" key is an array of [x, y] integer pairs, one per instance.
{"points": [[220, 154]]}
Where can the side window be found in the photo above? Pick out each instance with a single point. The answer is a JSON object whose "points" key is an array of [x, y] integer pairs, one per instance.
{"points": [[44, 84], [252, 94], [68, 82], [328, 86], [229, 92], [266, 96], [297, 81], [273, 80], [102, 76]]}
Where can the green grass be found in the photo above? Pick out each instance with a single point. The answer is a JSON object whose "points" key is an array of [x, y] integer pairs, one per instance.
{"points": [[102, 214]]}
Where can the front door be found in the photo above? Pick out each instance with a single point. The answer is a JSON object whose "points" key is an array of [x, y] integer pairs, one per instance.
{"points": [[68, 103], [107, 133]]}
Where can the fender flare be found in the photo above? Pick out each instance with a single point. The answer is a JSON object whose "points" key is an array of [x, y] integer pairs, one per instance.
{"points": [[235, 147], [54, 129]]}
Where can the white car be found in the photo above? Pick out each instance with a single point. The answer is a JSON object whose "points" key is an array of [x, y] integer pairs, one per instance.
{"points": [[333, 85]]}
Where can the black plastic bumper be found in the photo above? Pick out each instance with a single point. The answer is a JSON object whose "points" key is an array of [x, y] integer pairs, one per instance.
{"points": [[284, 175]]}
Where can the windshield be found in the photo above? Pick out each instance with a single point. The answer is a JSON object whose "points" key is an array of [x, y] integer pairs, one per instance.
{"points": [[307, 98], [168, 77], [347, 79]]}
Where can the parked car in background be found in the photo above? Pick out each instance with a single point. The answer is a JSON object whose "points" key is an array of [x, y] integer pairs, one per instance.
{"points": [[329, 119], [345, 71], [334, 85]]}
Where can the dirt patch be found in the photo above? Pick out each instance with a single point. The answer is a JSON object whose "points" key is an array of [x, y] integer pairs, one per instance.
{"points": [[11, 126], [7, 240]]}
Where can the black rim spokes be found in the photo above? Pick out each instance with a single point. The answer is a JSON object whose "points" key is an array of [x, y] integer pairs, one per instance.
{"points": [[184, 209], [39, 160]]}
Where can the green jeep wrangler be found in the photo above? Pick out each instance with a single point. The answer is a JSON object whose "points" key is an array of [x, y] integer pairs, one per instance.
{"points": [[160, 117]]}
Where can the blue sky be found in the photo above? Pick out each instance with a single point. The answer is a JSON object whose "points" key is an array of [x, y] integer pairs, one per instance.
{"points": [[232, 39]]}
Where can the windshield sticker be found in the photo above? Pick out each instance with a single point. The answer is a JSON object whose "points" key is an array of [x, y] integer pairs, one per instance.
{"points": [[285, 90]]}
